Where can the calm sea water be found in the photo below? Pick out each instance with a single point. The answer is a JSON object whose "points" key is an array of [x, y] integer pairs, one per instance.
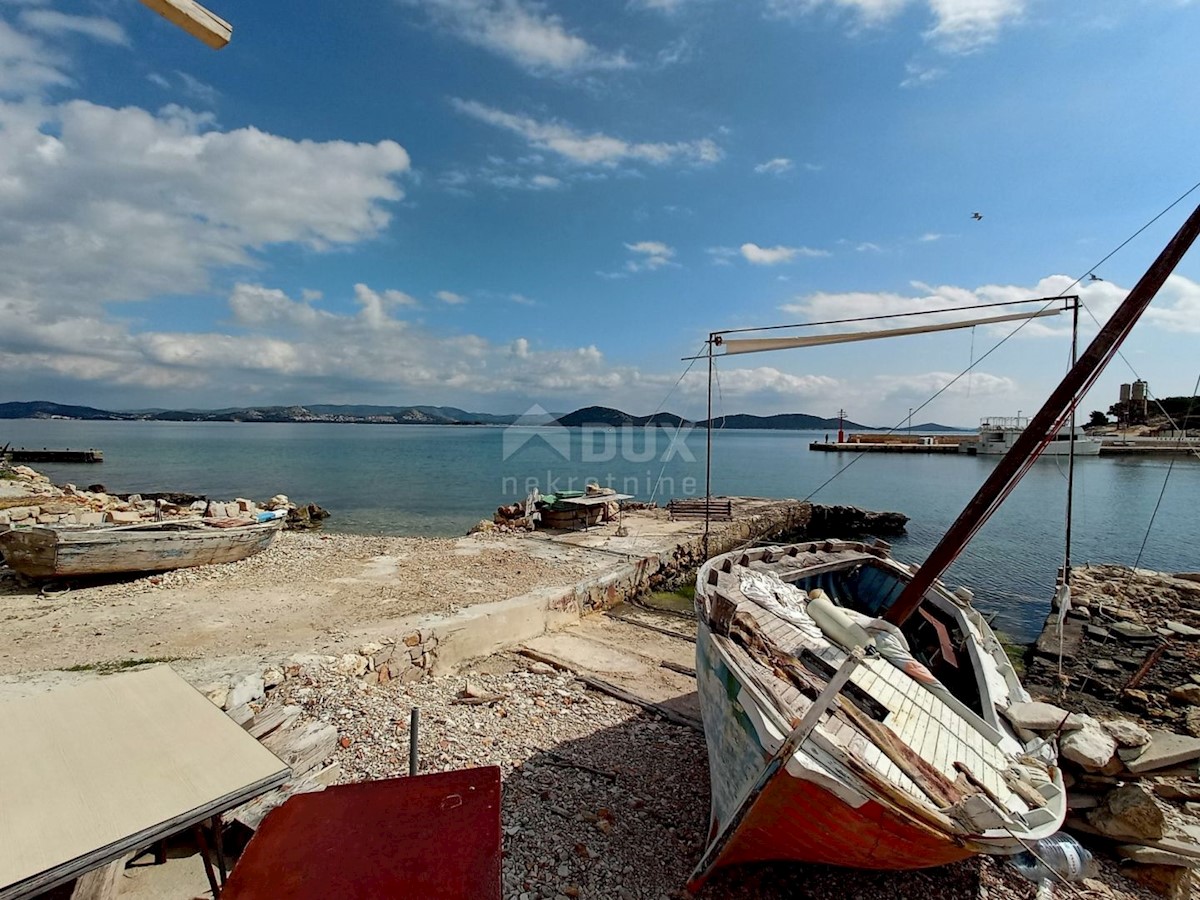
{"points": [[438, 480]]}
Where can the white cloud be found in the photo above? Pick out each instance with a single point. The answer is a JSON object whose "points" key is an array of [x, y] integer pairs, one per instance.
{"points": [[776, 166], [665, 6], [930, 236], [119, 204], [868, 247], [521, 32], [590, 149], [722, 256], [27, 65], [959, 26], [197, 89], [918, 74], [48, 21], [451, 298], [963, 25], [649, 255], [773, 256]]}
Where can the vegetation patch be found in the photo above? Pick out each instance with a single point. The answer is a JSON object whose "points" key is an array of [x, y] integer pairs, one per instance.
{"points": [[120, 665]]}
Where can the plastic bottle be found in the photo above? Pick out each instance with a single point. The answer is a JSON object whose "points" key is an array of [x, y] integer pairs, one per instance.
{"points": [[1059, 856]]}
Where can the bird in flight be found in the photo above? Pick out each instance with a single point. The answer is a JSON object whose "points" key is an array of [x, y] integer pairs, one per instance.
{"points": [[1094, 277], [977, 216]]}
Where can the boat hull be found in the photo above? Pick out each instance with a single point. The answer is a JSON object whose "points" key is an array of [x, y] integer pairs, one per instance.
{"points": [[61, 553], [796, 818]]}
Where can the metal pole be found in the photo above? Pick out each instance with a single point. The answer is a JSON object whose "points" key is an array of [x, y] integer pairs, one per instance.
{"points": [[414, 721], [708, 449], [1071, 456]]}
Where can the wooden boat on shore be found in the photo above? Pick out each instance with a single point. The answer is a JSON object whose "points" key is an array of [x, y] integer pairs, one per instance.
{"points": [[854, 706], [76, 551], [893, 759]]}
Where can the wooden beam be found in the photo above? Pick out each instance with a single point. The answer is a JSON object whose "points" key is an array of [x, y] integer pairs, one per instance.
{"points": [[195, 20]]}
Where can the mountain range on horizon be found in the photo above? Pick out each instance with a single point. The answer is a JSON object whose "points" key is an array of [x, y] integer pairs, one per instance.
{"points": [[589, 416]]}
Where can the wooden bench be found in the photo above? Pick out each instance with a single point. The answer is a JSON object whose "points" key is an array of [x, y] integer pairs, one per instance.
{"points": [[701, 508]]}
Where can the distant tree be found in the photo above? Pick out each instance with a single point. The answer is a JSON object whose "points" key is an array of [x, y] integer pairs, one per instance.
{"points": [[1098, 418]]}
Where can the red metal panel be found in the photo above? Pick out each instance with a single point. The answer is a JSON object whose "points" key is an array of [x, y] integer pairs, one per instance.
{"points": [[432, 837]]}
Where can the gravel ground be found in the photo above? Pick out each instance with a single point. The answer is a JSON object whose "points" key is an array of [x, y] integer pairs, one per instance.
{"points": [[301, 594], [632, 828]]}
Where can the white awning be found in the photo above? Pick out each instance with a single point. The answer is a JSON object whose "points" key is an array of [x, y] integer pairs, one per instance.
{"points": [[758, 345]]}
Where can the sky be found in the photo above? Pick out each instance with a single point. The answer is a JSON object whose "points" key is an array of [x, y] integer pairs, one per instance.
{"points": [[496, 204]]}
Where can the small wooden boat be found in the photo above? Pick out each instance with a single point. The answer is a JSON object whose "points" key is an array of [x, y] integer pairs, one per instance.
{"points": [[72, 551], [912, 766]]}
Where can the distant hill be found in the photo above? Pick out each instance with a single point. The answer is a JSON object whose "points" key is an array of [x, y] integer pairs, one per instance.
{"points": [[43, 409], [929, 427], [588, 416], [784, 421], [596, 416]]}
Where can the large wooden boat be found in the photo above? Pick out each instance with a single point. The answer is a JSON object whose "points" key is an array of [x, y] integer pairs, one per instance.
{"points": [[74, 551], [853, 706], [909, 765]]}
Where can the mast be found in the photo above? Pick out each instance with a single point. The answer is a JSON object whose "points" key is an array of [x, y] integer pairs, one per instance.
{"points": [[712, 338], [1047, 421], [1066, 579]]}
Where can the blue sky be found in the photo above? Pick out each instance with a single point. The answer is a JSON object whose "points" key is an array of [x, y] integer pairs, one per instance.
{"points": [[496, 203]]}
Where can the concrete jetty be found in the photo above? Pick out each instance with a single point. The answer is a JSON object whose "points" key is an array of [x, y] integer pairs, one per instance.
{"points": [[23, 455]]}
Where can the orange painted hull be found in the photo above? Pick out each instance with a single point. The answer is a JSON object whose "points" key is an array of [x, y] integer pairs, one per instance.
{"points": [[796, 820]]}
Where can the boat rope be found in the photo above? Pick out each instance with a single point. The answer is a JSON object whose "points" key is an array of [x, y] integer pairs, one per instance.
{"points": [[679, 424], [936, 394]]}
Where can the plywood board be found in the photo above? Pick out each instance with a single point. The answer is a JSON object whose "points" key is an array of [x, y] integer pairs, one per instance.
{"points": [[104, 767]]}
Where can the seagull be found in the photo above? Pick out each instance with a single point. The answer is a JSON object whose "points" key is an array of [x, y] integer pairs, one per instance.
{"points": [[977, 216], [1094, 277]]}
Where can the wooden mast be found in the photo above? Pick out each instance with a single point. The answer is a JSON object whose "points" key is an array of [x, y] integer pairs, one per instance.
{"points": [[1049, 418], [193, 18]]}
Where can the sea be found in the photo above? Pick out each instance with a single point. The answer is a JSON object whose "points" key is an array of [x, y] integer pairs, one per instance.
{"points": [[433, 480]]}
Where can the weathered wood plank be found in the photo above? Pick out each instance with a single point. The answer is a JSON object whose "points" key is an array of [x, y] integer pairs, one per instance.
{"points": [[193, 18]]}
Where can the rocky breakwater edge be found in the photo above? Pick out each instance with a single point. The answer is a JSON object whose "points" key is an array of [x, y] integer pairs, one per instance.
{"points": [[30, 499], [1118, 671]]}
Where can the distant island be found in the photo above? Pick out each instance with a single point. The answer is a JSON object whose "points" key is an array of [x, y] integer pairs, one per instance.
{"points": [[588, 416]]}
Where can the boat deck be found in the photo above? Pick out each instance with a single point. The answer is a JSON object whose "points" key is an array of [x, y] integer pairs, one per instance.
{"points": [[936, 732]]}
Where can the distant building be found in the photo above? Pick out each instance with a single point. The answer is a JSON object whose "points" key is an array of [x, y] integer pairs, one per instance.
{"points": [[1133, 407]]}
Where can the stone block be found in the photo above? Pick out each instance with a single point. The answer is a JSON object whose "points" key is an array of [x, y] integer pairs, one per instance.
{"points": [[245, 690], [351, 665], [122, 517], [216, 693], [1091, 746], [1186, 693], [1126, 733], [1164, 749], [1129, 812], [21, 513], [91, 518]]}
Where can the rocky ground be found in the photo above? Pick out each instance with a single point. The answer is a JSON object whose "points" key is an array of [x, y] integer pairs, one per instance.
{"points": [[601, 800]]}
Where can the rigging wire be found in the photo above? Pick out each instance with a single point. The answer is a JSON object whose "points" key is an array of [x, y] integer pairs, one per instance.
{"points": [[678, 424], [936, 394]]}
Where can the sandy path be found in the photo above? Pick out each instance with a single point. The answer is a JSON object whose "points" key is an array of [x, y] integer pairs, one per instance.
{"points": [[305, 593]]}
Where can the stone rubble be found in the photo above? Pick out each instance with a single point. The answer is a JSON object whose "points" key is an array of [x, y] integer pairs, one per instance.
{"points": [[1127, 645], [601, 800], [46, 504]]}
